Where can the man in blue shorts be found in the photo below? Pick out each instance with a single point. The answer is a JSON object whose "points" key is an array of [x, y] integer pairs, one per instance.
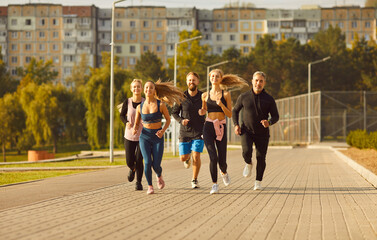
{"points": [[191, 126]]}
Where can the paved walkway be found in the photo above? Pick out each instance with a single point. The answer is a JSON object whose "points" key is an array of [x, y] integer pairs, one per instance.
{"points": [[308, 194]]}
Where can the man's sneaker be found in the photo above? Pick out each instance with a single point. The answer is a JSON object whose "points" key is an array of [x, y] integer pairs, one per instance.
{"points": [[187, 163], [226, 178], [194, 183], [247, 170], [160, 182], [258, 185], [138, 186], [215, 189], [150, 190], [131, 175]]}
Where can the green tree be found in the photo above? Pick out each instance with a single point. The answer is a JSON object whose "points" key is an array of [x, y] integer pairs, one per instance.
{"points": [[8, 85], [12, 121], [150, 67], [191, 56], [97, 101], [38, 72], [80, 74]]}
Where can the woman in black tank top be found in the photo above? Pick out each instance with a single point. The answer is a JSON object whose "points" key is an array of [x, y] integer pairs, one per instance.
{"points": [[218, 104]]}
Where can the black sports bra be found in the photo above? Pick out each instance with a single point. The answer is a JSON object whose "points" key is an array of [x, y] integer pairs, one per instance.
{"points": [[212, 105]]}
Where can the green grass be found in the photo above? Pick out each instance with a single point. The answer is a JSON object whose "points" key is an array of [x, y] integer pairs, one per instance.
{"points": [[17, 177], [73, 163]]}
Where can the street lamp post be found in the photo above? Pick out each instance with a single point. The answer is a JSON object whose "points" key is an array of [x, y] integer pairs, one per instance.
{"points": [[214, 65], [175, 84], [309, 95], [112, 83]]}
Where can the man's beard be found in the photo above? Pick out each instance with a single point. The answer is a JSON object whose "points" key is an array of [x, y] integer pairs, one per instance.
{"points": [[192, 87]]}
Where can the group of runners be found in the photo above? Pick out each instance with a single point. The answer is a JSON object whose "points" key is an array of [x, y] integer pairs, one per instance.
{"points": [[202, 119]]}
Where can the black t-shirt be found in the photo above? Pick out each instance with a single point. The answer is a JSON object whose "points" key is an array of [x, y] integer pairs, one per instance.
{"points": [[255, 107], [189, 109]]}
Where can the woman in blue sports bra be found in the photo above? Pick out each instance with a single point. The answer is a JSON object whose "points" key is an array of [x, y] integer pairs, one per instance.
{"points": [[218, 104], [151, 138]]}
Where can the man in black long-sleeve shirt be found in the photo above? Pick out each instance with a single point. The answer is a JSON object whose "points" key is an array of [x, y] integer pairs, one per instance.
{"points": [[257, 105], [191, 126]]}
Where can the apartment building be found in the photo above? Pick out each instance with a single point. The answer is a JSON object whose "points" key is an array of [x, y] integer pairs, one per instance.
{"points": [[66, 33], [351, 20], [4, 32], [301, 24]]}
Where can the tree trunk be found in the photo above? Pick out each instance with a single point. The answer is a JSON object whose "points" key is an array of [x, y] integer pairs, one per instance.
{"points": [[55, 150], [4, 157]]}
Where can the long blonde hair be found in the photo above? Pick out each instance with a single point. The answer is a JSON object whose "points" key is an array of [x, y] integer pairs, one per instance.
{"points": [[230, 80], [168, 93]]}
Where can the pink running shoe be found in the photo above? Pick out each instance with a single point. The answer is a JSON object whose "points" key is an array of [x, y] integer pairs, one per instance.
{"points": [[160, 182], [150, 190]]}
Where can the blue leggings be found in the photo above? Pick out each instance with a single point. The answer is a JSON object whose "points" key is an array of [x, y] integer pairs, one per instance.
{"points": [[152, 149]]}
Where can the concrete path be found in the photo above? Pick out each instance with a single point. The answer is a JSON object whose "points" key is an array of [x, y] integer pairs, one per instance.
{"points": [[308, 194]]}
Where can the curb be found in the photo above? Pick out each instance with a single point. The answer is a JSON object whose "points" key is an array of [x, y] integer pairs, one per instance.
{"points": [[365, 173], [56, 168]]}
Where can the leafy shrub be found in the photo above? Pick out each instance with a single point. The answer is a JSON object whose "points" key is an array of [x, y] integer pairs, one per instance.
{"points": [[361, 139]]}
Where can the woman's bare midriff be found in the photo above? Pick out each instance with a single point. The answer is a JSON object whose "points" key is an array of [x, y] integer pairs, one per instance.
{"points": [[216, 115], [156, 125]]}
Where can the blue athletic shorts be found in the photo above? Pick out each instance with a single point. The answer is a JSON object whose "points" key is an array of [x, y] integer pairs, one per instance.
{"points": [[196, 145]]}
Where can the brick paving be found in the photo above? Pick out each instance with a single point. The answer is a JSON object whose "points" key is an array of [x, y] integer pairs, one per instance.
{"points": [[308, 194]]}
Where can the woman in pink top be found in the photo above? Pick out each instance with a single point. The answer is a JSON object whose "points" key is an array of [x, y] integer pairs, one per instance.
{"points": [[134, 158], [218, 104]]}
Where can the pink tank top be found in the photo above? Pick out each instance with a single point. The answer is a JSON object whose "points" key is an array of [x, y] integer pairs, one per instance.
{"points": [[131, 116]]}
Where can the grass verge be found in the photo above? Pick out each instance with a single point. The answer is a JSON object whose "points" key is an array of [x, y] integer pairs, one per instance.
{"points": [[18, 177]]}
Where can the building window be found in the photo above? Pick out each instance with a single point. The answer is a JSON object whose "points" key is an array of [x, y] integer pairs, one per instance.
{"points": [[41, 34], [27, 47], [146, 36], [14, 60], [118, 24], [28, 22], [273, 24], [232, 25], [245, 37], [172, 22], [145, 48], [207, 36], [218, 37], [367, 25], [68, 20], [245, 49], [118, 49], [132, 49], [118, 36], [13, 22], [14, 72], [67, 71], [326, 25], [55, 34], [286, 24], [69, 58], [132, 24], [14, 47], [42, 47], [186, 22], [340, 25], [133, 36], [83, 34], [218, 26], [132, 61], [27, 59], [145, 24], [55, 22], [56, 59], [68, 34], [219, 50], [55, 47], [245, 26], [354, 24], [232, 37], [159, 24], [42, 22], [27, 34], [159, 48], [313, 24], [85, 21], [259, 25], [159, 36], [14, 34], [171, 47], [258, 36]]}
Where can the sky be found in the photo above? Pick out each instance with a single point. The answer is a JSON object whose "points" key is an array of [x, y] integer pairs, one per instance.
{"points": [[200, 4]]}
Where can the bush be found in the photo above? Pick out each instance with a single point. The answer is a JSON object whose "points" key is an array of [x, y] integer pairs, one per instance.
{"points": [[361, 139]]}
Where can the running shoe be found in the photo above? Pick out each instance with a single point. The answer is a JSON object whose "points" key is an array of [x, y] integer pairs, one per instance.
{"points": [[138, 186], [247, 170], [160, 182], [187, 163], [258, 185], [131, 175], [226, 178], [194, 184], [215, 189], [150, 190]]}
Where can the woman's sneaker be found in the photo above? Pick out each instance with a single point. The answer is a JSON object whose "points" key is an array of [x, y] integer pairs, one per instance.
{"points": [[150, 190], [226, 178], [194, 183], [247, 170], [258, 185], [215, 189], [160, 182], [138, 186]]}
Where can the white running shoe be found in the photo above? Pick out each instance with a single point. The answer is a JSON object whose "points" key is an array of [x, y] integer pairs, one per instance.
{"points": [[187, 163], [194, 184], [247, 170], [226, 179], [258, 185], [215, 189]]}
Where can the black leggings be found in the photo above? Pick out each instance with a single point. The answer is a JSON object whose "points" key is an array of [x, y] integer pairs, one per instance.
{"points": [[261, 145], [215, 155], [134, 158]]}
